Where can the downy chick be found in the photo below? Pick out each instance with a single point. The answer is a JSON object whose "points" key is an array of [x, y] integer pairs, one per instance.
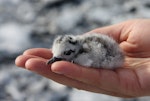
{"points": [[89, 50]]}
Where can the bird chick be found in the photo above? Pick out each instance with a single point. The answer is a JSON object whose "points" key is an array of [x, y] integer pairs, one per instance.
{"points": [[90, 50]]}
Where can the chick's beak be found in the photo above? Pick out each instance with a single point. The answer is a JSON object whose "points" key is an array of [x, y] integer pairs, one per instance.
{"points": [[53, 59]]}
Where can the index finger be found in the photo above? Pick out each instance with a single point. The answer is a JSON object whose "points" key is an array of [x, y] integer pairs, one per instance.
{"points": [[40, 52]]}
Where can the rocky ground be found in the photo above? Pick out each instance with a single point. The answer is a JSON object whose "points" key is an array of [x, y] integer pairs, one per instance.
{"points": [[35, 23]]}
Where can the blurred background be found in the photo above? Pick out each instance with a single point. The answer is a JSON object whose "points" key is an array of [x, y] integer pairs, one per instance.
{"points": [[35, 23]]}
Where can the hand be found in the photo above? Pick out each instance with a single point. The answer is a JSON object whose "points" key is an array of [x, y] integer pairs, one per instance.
{"points": [[132, 80]]}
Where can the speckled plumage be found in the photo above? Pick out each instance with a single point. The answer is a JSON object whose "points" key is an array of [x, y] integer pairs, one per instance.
{"points": [[89, 50]]}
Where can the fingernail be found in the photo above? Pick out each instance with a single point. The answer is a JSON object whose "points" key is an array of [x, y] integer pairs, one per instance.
{"points": [[61, 68], [56, 70]]}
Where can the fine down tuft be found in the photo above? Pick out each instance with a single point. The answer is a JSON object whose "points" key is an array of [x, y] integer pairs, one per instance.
{"points": [[89, 50]]}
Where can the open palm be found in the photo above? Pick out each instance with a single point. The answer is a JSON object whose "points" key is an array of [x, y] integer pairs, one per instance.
{"points": [[132, 80]]}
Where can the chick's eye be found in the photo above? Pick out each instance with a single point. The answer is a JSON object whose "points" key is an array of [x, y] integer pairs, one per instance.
{"points": [[68, 52]]}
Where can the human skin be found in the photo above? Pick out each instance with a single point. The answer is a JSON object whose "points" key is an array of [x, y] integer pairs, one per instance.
{"points": [[131, 80]]}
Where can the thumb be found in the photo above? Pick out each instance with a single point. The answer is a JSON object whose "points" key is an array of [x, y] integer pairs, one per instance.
{"points": [[128, 48], [113, 30]]}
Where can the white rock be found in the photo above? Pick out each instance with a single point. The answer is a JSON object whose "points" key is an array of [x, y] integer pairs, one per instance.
{"points": [[14, 37]]}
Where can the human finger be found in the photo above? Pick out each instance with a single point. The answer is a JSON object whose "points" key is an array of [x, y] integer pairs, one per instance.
{"points": [[38, 65], [21, 60], [113, 30], [40, 52], [97, 77]]}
